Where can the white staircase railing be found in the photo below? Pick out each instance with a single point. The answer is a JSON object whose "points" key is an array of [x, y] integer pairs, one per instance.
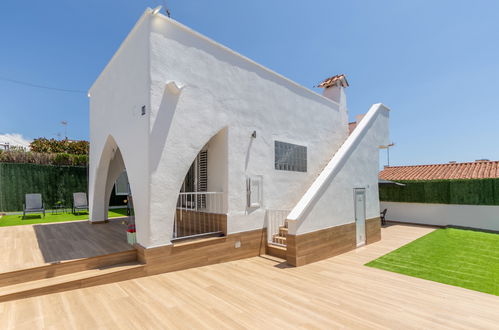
{"points": [[276, 219], [334, 165]]}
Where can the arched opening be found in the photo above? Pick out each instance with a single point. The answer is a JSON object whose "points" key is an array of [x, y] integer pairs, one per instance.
{"points": [[111, 187], [202, 200]]}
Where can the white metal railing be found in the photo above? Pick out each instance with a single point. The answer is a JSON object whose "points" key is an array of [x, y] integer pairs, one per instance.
{"points": [[199, 213], [275, 220]]}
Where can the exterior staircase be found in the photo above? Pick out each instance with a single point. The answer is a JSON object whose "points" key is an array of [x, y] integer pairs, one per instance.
{"points": [[277, 247], [70, 275], [280, 239]]}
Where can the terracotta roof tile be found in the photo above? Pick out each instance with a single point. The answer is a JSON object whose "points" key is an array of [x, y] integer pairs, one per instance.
{"points": [[471, 170], [338, 80]]}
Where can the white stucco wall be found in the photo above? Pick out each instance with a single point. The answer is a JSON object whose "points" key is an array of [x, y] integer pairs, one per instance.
{"points": [[329, 201], [224, 90], [116, 99], [474, 216], [195, 89]]}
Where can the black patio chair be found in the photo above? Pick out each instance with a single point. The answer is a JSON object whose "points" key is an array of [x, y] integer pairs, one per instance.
{"points": [[382, 215]]}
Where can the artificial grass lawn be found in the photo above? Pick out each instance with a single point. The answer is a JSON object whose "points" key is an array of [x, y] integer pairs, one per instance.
{"points": [[465, 258], [15, 220]]}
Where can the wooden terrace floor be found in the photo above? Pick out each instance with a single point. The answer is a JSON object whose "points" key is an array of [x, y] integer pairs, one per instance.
{"points": [[264, 293], [41, 244]]}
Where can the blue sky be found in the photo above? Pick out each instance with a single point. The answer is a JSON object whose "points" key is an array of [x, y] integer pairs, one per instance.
{"points": [[434, 63]]}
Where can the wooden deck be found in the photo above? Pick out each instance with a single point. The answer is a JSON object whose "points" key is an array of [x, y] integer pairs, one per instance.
{"points": [[262, 292], [42, 244]]}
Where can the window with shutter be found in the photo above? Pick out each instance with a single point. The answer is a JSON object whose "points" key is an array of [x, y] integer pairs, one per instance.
{"points": [[196, 180], [202, 176]]}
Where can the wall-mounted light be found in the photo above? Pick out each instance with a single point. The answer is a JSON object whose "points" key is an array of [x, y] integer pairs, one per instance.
{"points": [[143, 110], [156, 10], [253, 135]]}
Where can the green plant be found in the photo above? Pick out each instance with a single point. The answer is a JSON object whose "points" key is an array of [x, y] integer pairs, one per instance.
{"points": [[62, 159], [44, 145], [79, 160]]}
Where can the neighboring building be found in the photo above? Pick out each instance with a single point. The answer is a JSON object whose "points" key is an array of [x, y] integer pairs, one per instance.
{"points": [[7, 141], [4, 146], [215, 144], [458, 194]]}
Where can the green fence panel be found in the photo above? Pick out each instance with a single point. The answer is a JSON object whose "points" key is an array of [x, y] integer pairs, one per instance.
{"points": [[467, 192], [55, 183]]}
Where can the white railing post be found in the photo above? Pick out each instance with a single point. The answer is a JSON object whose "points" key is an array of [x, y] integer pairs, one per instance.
{"points": [[275, 220], [198, 213]]}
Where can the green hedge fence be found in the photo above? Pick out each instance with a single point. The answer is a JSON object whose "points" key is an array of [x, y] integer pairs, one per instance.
{"points": [[55, 183], [467, 192]]}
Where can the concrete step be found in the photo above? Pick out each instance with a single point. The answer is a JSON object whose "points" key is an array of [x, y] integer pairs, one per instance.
{"points": [[82, 279]]}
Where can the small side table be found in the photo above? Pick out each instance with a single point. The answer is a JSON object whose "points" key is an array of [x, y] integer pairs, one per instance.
{"points": [[58, 208]]}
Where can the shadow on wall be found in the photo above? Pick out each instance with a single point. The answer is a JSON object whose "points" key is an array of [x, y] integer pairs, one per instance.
{"points": [[162, 123], [76, 240]]}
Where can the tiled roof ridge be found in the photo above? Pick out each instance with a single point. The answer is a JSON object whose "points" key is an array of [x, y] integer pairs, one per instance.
{"points": [[467, 170], [446, 164]]}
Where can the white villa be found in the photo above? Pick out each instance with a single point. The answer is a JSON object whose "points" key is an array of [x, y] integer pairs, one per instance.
{"points": [[227, 159]]}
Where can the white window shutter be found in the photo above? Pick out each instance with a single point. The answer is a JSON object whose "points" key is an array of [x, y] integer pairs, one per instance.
{"points": [[254, 191], [202, 177]]}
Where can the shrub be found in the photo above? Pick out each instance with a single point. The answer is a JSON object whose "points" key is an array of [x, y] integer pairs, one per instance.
{"points": [[62, 159], [43, 158], [44, 145], [79, 160]]}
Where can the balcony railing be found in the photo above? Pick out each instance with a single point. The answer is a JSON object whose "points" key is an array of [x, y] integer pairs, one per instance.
{"points": [[200, 214]]}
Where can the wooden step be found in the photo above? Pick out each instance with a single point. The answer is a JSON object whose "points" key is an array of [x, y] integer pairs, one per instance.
{"points": [[276, 251], [283, 231], [279, 239], [72, 281], [66, 267]]}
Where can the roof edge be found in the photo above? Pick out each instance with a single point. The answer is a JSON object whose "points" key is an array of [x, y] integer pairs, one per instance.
{"points": [[442, 164]]}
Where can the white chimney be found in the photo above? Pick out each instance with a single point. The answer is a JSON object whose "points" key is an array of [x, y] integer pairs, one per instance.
{"points": [[334, 89]]}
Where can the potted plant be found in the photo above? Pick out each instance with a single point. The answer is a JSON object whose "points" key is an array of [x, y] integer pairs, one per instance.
{"points": [[131, 235]]}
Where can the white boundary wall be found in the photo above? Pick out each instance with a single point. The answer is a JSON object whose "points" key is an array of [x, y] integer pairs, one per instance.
{"points": [[475, 216]]}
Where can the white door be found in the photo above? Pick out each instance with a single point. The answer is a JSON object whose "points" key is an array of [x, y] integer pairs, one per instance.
{"points": [[360, 215]]}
